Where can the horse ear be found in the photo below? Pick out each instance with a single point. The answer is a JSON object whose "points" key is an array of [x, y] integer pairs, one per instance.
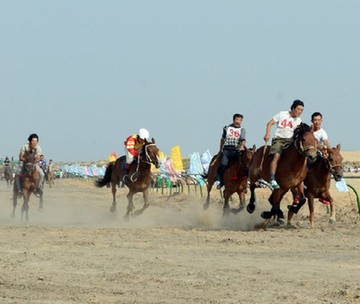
{"points": [[254, 148], [338, 147], [153, 140]]}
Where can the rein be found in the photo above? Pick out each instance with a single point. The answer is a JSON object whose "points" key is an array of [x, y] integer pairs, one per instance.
{"points": [[263, 156], [147, 160], [300, 147]]}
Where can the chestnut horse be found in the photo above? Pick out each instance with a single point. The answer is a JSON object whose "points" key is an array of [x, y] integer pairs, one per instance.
{"points": [[235, 178], [140, 176], [30, 180], [291, 170], [317, 181], [8, 175]]}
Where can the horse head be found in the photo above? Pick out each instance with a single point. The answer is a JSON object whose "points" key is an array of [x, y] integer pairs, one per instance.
{"points": [[246, 156], [150, 153], [305, 141], [334, 160], [29, 166]]}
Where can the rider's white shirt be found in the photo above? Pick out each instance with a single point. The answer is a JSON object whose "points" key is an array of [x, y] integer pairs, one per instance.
{"points": [[321, 135], [285, 124]]}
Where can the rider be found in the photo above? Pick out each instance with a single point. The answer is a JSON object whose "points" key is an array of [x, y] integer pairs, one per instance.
{"points": [[31, 146], [286, 122], [319, 133], [7, 162], [133, 145], [232, 141], [322, 139], [42, 163]]}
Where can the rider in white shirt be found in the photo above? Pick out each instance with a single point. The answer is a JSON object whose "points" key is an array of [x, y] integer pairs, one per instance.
{"points": [[286, 122], [322, 139], [319, 133]]}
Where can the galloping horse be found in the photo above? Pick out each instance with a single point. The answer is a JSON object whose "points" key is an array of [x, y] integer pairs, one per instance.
{"points": [[8, 174], [291, 170], [140, 176], [30, 180], [318, 180], [235, 178]]}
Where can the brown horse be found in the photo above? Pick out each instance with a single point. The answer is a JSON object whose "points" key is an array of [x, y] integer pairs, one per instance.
{"points": [[291, 169], [235, 178], [8, 175], [317, 182], [140, 176], [30, 180]]}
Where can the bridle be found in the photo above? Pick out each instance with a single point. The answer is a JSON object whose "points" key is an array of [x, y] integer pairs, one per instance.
{"points": [[301, 148], [148, 159], [333, 166]]}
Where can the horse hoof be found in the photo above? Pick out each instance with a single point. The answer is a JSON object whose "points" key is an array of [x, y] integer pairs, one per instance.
{"points": [[281, 221], [137, 212], [266, 215], [332, 221], [241, 207], [250, 208], [112, 209]]}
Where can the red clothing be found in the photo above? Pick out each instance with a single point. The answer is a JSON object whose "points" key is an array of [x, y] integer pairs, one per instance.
{"points": [[132, 144]]}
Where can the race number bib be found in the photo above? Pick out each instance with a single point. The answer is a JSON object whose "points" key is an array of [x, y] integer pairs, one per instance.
{"points": [[233, 132], [286, 123]]}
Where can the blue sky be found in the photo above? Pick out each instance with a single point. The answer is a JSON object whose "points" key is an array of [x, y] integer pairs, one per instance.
{"points": [[86, 74]]}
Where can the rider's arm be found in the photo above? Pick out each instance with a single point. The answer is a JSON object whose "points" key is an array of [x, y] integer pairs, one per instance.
{"points": [[268, 129], [22, 155]]}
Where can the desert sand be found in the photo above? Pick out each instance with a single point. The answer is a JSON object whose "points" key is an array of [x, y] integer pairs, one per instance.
{"points": [[76, 251]]}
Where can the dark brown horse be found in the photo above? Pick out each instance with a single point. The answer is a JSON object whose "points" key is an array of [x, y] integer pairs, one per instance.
{"points": [[140, 176], [235, 178], [30, 180], [318, 179], [291, 170], [8, 175]]}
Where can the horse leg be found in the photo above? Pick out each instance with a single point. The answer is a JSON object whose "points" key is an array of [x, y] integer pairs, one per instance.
{"points": [[226, 207], [130, 206], [15, 195], [275, 211], [146, 202], [311, 210], [251, 206], [113, 191], [241, 194], [207, 202], [332, 219], [41, 204], [25, 206]]}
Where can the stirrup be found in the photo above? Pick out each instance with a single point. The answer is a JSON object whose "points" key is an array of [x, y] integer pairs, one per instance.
{"points": [[273, 183]]}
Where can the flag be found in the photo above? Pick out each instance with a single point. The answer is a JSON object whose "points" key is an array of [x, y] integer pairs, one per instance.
{"points": [[176, 158]]}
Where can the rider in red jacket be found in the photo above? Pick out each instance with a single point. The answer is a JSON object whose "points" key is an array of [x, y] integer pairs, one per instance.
{"points": [[133, 145]]}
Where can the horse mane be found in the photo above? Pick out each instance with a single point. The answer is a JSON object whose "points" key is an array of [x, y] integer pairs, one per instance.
{"points": [[300, 130]]}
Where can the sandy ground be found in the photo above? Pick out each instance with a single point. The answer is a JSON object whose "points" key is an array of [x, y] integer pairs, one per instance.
{"points": [[76, 251]]}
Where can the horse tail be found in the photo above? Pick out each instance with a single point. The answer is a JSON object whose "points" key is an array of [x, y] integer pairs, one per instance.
{"points": [[107, 177]]}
